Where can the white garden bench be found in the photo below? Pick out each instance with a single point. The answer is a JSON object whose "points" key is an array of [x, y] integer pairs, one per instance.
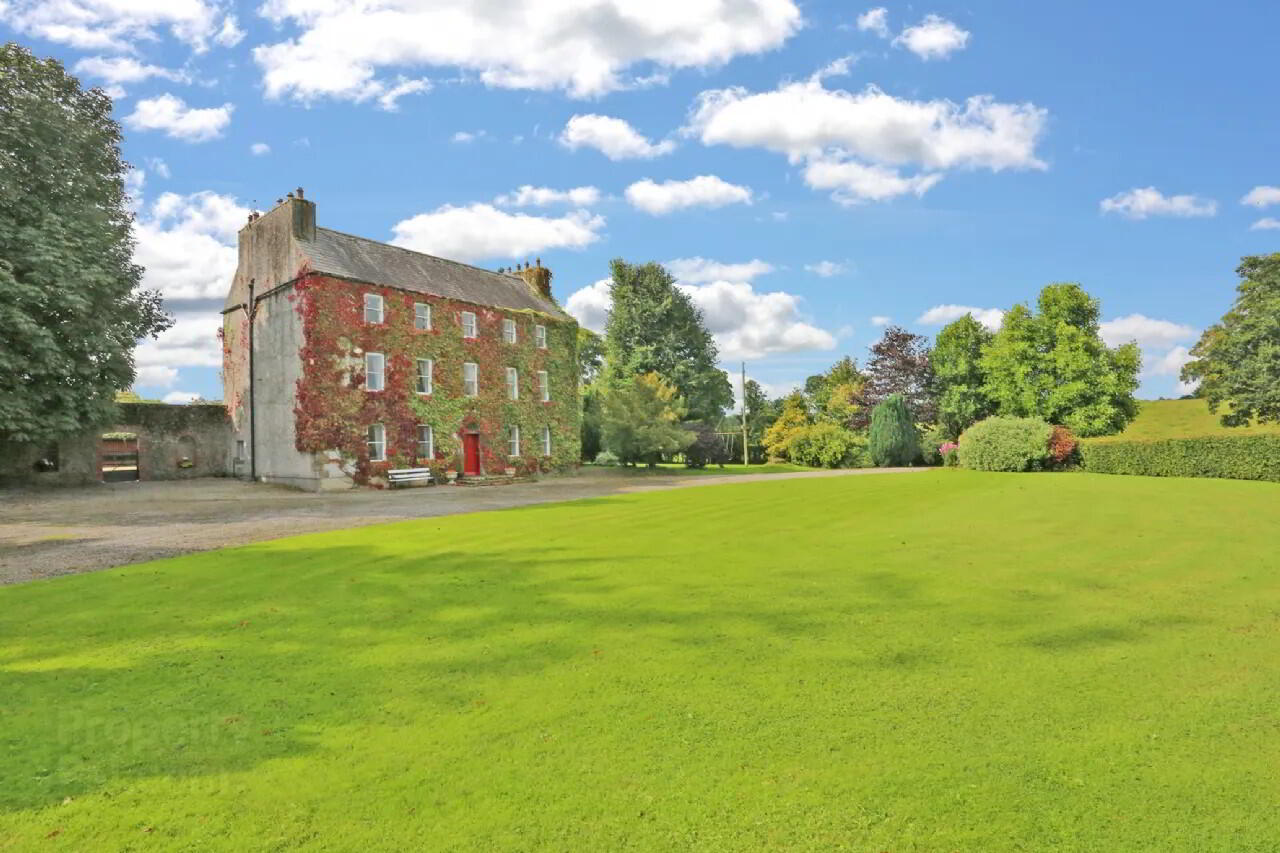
{"points": [[399, 476]]}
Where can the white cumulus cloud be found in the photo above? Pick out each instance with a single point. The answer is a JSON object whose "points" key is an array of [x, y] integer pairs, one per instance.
{"points": [[590, 305], [117, 24], [611, 136], [750, 324], [940, 315], [745, 323], [124, 69], [155, 376], [259, 149], [858, 143], [876, 21], [881, 320], [191, 342], [180, 398], [1266, 223], [1140, 203], [531, 196], [389, 96], [339, 48], [477, 231], [1148, 332], [1262, 196], [854, 183], [1163, 344], [669, 196], [186, 244], [171, 114], [933, 38], [827, 269], [699, 270]]}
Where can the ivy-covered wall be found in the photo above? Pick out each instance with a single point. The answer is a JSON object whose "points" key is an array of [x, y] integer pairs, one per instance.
{"points": [[333, 410]]}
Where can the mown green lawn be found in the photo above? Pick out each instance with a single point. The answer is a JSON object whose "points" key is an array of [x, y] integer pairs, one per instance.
{"points": [[946, 661], [667, 468]]}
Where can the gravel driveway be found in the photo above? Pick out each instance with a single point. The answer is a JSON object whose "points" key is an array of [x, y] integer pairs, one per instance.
{"points": [[49, 532]]}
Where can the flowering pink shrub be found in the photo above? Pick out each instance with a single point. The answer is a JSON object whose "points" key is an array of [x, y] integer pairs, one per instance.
{"points": [[950, 456]]}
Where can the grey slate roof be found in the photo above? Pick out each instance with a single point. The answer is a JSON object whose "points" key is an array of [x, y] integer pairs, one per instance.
{"points": [[347, 256]]}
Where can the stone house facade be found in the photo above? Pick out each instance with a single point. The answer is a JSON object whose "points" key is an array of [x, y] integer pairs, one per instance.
{"points": [[362, 357]]}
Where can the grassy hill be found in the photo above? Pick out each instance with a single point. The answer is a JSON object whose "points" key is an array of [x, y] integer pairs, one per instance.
{"points": [[1181, 419], [931, 662]]}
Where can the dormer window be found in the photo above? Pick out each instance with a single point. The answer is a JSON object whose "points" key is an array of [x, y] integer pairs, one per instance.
{"points": [[373, 309]]}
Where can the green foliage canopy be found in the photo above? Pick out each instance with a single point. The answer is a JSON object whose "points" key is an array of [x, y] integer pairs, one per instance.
{"points": [[1237, 360], [791, 421], [641, 419], [70, 305], [655, 327], [1054, 365], [957, 373]]}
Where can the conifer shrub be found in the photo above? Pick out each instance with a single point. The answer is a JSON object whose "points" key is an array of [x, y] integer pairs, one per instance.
{"points": [[1006, 444], [893, 439]]}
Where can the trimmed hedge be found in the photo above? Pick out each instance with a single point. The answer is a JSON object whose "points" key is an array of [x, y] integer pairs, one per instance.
{"points": [[1237, 457]]}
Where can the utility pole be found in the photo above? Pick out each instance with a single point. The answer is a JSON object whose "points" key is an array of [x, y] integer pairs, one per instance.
{"points": [[745, 458]]}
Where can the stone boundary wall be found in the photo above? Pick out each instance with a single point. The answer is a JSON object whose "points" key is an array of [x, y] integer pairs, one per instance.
{"points": [[175, 442]]}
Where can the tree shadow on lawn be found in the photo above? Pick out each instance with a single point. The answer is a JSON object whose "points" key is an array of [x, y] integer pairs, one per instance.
{"points": [[218, 662]]}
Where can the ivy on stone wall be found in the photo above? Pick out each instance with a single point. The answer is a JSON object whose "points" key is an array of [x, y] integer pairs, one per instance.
{"points": [[333, 411]]}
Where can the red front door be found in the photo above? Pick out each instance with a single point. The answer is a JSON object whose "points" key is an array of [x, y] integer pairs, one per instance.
{"points": [[471, 453]]}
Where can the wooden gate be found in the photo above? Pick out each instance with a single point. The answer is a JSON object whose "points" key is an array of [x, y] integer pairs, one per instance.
{"points": [[118, 458]]}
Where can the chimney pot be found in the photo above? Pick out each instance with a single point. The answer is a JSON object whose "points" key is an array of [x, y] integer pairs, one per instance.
{"points": [[299, 192], [289, 194]]}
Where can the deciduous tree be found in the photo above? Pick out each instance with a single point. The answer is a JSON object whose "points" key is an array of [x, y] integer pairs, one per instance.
{"points": [[71, 309], [957, 372], [655, 327], [1054, 365], [899, 365], [1237, 359], [790, 423]]}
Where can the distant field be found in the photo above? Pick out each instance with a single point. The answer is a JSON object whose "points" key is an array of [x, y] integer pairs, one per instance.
{"points": [[1180, 419]]}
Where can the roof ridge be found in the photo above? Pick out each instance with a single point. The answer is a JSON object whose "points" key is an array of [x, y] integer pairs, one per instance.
{"points": [[416, 252]]}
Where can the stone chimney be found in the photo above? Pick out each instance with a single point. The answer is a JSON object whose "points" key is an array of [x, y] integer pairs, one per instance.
{"points": [[538, 278]]}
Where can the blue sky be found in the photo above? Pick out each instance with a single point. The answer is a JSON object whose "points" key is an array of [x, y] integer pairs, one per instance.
{"points": [[814, 169]]}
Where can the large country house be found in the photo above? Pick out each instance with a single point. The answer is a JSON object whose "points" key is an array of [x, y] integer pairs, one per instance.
{"points": [[344, 358]]}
